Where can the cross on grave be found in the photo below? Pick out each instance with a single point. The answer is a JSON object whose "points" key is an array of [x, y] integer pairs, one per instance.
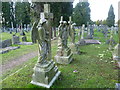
{"points": [[46, 14]]}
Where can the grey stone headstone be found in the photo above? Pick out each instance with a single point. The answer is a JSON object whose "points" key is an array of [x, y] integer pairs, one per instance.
{"points": [[5, 43], [24, 39], [15, 40]]}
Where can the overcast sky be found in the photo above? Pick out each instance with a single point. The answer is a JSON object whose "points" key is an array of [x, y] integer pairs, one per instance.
{"points": [[100, 8]]}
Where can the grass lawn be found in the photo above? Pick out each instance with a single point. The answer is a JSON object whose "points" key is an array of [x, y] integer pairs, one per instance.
{"points": [[94, 69]]}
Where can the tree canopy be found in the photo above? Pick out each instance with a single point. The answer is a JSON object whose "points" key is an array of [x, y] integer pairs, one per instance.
{"points": [[81, 13], [111, 17]]}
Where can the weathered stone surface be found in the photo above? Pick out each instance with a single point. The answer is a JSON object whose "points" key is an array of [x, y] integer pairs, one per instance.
{"points": [[89, 37], [25, 43], [5, 43], [45, 71], [15, 40], [22, 33], [112, 40], [7, 49], [65, 57], [116, 53], [45, 74], [24, 38], [34, 32], [89, 41], [82, 42]]}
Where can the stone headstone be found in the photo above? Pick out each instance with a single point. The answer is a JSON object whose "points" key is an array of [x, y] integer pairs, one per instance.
{"points": [[22, 33], [5, 43], [24, 39], [81, 41], [15, 40], [90, 32]]}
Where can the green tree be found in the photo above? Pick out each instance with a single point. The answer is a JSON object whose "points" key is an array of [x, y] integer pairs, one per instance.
{"points": [[111, 17], [81, 13], [6, 14], [57, 8], [22, 13], [104, 22]]}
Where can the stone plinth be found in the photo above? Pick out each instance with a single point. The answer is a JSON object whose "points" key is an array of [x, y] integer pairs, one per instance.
{"points": [[45, 74], [73, 48], [64, 56], [116, 53]]}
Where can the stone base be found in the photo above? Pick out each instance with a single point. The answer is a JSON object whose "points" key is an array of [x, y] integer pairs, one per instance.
{"points": [[116, 53], [45, 74], [89, 37], [65, 59], [73, 48], [82, 42]]}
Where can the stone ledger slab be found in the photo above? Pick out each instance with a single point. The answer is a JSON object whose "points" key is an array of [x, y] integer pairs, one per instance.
{"points": [[88, 41], [45, 74], [7, 49], [25, 43]]}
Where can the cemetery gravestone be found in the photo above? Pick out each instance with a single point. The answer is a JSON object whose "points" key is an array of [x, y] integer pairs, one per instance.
{"points": [[5, 43], [111, 44], [15, 40], [24, 39], [73, 46], [82, 41], [45, 71], [90, 32], [64, 55]]}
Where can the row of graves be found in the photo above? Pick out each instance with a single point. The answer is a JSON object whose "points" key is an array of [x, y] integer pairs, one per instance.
{"points": [[45, 70], [6, 45], [19, 28]]}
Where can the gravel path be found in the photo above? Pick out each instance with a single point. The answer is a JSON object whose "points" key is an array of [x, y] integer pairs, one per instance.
{"points": [[18, 61]]}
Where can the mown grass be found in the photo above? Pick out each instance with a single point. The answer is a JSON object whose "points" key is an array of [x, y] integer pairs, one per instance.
{"points": [[94, 69], [5, 35]]}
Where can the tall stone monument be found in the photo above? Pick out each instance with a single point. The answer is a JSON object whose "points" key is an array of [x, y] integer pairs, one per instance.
{"points": [[90, 32], [82, 41], [116, 52], [64, 55], [71, 28], [45, 71]]}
